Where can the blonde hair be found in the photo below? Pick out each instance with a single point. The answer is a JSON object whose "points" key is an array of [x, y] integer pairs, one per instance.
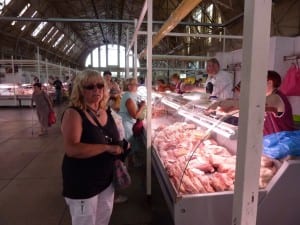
{"points": [[82, 79], [128, 82]]}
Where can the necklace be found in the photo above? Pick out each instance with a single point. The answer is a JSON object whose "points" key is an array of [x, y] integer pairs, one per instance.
{"points": [[95, 112]]}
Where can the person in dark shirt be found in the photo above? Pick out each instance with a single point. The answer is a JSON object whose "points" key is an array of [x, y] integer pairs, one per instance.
{"points": [[278, 117], [89, 134], [58, 90]]}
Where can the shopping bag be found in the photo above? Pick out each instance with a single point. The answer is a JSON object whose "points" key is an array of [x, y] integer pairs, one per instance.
{"points": [[121, 178], [51, 118], [291, 83], [281, 144], [138, 127]]}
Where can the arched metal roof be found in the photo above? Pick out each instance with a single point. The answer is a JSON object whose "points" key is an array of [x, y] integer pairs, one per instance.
{"points": [[86, 24]]}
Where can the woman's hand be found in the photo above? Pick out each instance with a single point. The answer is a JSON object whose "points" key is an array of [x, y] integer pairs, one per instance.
{"points": [[115, 149]]}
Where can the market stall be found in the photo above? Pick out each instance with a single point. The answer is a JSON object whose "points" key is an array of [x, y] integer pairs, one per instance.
{"points": [[198, 189]]}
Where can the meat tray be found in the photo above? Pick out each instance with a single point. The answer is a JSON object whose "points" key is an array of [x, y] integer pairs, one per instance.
{"points": [[278, 202]]}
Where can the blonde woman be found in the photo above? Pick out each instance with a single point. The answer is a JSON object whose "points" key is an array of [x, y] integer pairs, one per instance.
{"points": [[130, 111], [89, 134]]}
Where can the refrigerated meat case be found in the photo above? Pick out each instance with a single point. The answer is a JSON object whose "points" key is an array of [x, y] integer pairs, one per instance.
{"points": [[15, 94], [278, 202]]}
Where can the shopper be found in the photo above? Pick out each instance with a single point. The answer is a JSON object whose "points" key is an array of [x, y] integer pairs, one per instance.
{"points": [[219, 83], [177, 85], [114, 91], [130, 111], [87, 167], [58, 90], [161, 86], [43, 107]]}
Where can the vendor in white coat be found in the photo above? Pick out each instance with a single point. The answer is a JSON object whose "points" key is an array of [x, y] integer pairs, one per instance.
{"points": [[219, 83]]}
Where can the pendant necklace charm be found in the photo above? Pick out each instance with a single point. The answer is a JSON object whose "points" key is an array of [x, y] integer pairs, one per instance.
{"points": [[95, 112]]}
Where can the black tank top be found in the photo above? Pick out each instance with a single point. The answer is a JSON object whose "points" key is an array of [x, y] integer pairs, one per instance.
{"points": [[85, 178]]}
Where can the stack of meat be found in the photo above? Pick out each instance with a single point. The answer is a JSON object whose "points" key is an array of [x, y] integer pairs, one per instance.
{"points": [[158, 110], [203, 169]]}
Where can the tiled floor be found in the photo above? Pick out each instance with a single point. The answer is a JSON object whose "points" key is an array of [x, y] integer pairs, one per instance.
{"points": [[30, 178]]}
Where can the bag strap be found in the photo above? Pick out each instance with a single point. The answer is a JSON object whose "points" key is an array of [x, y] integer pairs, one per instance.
{"points": [[94, 117]]}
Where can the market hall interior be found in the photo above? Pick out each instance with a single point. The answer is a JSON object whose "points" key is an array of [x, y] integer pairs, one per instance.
{"points": [[31, 183]]}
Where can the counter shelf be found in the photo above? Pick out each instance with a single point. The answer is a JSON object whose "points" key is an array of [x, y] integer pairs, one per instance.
{"points": [[278, 202]]}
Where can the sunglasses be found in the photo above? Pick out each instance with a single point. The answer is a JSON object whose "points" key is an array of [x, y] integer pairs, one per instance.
{"points": [[93, 86]]}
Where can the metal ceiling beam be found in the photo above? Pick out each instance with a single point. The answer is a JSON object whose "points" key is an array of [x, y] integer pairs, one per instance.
{"points": [[233, 19], [137, 28], [120, 26], [91, 20], [181, 57], [100, 26], [184, 8], [174, 34]]}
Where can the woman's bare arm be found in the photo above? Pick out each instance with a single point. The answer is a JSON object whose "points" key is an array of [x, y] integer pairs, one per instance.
{"points": [[71, 129]]}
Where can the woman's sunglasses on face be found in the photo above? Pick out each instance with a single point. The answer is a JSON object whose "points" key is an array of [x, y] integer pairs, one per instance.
{"points": [[93, 86]]}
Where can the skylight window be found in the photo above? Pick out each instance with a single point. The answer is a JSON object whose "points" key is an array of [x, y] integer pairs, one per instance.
{"points": [[24, 10], [3, 3], [66, 46], [70, 49], [23, 27], [21, 13], [38, 29], [210, 10], [50, 39], [47, 35], [58, 40], [34, 14], [197, 15]]}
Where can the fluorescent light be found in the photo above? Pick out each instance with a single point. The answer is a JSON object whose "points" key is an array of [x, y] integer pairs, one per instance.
{"points": [[217, 126]]}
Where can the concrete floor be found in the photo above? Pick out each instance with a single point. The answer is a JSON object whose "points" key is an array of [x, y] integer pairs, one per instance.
{"points": [[30, 178]]}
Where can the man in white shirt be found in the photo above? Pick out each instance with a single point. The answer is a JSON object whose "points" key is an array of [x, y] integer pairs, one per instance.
{"points": [[219, 83]]}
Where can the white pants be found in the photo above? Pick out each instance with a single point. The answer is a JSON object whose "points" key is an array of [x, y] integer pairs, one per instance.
{"points": [[92, 211]]}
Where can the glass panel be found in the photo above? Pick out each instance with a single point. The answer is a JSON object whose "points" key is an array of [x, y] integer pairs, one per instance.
{"points": [[122, 57], [88, 61], [70, 48], [47, 35], [3, 3], [103, 56], [95, 62], [38, 29], [112, 55], [58, 40], [24, 10]]}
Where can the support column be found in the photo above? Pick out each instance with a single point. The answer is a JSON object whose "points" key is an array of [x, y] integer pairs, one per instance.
{"points": [[256, 46], [149, 88], [127, 56], [135, 52]]}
